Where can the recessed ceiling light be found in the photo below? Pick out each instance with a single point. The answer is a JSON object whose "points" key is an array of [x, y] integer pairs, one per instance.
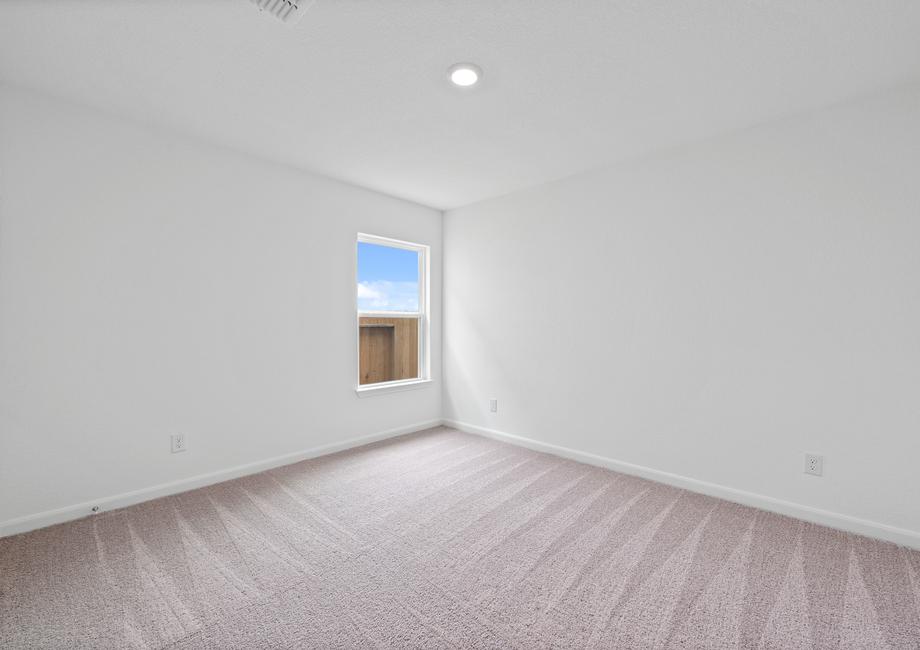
{"points": [[464, 74]]}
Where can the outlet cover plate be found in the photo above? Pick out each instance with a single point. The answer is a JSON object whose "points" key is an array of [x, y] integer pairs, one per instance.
{"points": [[814, 464], [177, 443]]}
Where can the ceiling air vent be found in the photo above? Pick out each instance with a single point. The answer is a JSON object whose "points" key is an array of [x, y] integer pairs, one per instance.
{"points": [[287, 11]]}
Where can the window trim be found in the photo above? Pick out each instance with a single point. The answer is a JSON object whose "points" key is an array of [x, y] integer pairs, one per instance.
{"points": [[424, 338], [384, 387]]}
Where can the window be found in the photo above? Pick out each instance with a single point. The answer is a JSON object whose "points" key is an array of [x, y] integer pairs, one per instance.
{"points": [[392, 307]]}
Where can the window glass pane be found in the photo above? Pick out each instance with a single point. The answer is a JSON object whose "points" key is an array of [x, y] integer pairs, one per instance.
{"points": [[387, 278], [388, 348]]}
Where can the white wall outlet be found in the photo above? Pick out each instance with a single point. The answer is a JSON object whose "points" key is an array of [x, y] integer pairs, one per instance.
{"points": [[814, 464], [177, 442], [493, 405]]}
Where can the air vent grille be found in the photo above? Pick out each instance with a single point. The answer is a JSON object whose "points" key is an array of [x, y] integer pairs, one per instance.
{"points": [[287, 11]]}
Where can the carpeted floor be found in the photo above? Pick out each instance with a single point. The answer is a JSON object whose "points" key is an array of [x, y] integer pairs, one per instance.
{"points": [[443, 539]]}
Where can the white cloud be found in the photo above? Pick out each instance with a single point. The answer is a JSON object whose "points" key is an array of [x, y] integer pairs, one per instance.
{"points": [[382, 295], [366, 292]]}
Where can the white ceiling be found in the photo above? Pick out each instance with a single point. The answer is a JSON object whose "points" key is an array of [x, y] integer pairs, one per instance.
{"points": [[358, 89]]}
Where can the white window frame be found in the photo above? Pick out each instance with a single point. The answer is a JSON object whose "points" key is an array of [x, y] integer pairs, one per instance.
{"points": [[424, 349]]}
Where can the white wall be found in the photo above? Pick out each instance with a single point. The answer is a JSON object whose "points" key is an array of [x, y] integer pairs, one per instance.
{"points": [[152, 284], [713, 312]]}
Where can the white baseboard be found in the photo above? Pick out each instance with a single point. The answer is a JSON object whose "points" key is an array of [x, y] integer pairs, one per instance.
{"points": [[847, 523], [79, 510]]}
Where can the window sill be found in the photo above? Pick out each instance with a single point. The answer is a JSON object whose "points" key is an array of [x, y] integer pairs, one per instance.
{"points": [[391, 387]]}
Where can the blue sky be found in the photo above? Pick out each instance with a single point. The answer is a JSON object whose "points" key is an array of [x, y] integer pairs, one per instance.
{"points": [[387, 278]]}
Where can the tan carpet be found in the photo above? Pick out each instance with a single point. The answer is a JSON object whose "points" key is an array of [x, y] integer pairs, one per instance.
{"points": [[443, 539]]}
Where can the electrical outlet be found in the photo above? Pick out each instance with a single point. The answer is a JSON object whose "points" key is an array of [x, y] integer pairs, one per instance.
{"points": [[177, 442], [493, 405], [814, 464]]}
